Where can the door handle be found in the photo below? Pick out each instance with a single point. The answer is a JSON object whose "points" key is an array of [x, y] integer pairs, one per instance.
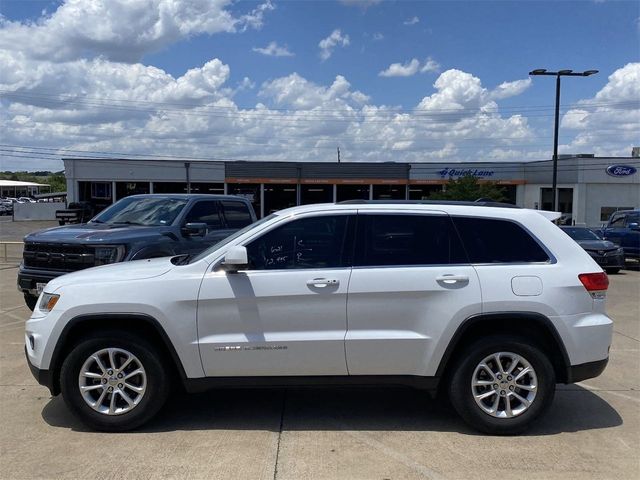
{"points": [[323, 282], [450, 279]]}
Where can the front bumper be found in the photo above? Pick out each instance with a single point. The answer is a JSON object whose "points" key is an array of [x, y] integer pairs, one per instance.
{"points": [[43, 377], [28, 279], [609, 261]]}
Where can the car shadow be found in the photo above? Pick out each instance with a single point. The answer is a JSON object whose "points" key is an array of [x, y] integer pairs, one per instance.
{"points": [[361, 409]]}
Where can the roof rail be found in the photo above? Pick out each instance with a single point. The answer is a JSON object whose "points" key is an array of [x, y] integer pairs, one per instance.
{"points": [[477, 203]]}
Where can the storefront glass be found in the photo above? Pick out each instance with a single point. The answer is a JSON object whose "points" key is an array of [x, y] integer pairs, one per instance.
{"points": [[352, 192], [278, 197], [316, 194], [389, 192]]}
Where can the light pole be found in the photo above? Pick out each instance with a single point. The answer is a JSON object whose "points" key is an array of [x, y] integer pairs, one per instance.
{"points": [[558, 74]]}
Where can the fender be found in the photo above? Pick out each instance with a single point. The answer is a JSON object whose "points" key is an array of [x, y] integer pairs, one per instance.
{"points": [[146, 320], [532, 318]]}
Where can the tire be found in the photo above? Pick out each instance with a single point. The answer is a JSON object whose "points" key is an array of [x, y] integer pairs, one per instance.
{"points": [[153, 382], [31, 301], [612, 271], [540, 385]]}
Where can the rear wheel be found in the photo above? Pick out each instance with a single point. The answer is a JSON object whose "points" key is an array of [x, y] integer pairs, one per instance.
{"points": [[114, 382], [612, 271], [501, 384], [31, 301]]}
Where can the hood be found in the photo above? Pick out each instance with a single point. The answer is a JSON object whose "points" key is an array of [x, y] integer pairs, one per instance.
{"points": [[597, 244], [93, 232], [116, 272]]}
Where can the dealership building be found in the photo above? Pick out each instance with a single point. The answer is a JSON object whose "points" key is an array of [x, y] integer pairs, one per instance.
{"points": [[589, 188]]}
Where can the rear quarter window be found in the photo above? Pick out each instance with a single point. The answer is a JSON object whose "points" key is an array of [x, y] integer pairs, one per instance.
{"points": [[498, 241]]}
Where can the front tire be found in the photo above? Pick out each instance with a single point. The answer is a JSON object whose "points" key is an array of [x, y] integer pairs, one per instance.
{"points": [[501, 384], [114, 382]]}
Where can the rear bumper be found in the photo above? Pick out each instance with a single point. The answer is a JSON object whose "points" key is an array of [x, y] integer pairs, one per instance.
{"points": [[43, 377], [577, 373]]}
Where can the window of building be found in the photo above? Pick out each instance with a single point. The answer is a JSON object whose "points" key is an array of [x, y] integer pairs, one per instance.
{"points": [[208, 188], [205, 211], [278, 197], [169, 187], [407, 240], [125, 189], [237, 214], [316, 194], [498, 241], [422, 192], [352, 192], [565, 203], [315, 242], [389, 192]]}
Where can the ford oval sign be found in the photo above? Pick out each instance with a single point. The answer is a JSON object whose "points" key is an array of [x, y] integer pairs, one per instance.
{"points": [[620, 170]]}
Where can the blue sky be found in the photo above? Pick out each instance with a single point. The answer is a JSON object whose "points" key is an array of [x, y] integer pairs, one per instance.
{"points": [[493, 42]]}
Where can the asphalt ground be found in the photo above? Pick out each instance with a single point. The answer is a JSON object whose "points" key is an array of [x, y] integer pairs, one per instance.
{"points": [[591, 431]]}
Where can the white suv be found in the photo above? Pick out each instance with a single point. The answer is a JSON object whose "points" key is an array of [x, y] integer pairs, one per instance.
{"points": [[493, 306]]}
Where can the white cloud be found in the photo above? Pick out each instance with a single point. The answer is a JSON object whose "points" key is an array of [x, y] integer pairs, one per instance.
{"points": [[410, 68], [122, 30], [274, 50], [335, 39], [610, 121], [378, 36], [406, 69], [430, 66], [510, 89], [411, 21]]}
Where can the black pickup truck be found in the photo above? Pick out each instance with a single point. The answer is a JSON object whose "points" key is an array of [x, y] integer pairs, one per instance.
{"points": [[134, 228]]}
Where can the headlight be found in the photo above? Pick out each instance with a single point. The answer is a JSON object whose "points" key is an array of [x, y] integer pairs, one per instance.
{"points": [[620, 251], [48, 301], [104, 255]]}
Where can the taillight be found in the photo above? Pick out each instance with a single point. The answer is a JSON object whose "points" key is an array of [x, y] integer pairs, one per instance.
{"points": [[595, 283]]}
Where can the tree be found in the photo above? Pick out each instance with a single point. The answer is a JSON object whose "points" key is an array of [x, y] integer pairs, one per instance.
{"points": [[468, 188]]}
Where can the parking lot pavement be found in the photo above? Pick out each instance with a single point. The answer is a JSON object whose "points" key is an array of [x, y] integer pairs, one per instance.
{"points": [[591, 431]]}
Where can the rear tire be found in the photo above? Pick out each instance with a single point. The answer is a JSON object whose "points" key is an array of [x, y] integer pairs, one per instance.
{"points": [[120, 390], [504, 398], [612, 271], [31, 301]]}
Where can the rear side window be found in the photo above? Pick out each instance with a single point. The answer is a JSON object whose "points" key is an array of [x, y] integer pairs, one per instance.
{"points": [[314, 242], [498, 241], [407, 240], [237, 214]]}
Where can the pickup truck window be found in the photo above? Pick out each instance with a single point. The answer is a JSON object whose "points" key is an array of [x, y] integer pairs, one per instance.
{"points": [[205, 211], [617, 221], [156, 211], [237, 214]]}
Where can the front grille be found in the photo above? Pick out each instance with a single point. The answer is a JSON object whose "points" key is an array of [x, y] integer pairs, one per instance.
{"points": [[57, 256]]}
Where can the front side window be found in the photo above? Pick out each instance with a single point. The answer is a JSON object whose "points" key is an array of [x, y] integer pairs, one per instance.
{"points": [[617, 221], [205, 211], [314, 242], [407, 240], [489, 240]]}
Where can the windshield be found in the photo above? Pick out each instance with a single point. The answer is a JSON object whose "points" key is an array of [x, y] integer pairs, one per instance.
{"points": [[581, 234], [231, 238], [148, 211]]}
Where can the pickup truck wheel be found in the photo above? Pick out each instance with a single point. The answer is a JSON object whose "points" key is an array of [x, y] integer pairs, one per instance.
{"points": [[115, 382], [31, 301], [501, 384]]}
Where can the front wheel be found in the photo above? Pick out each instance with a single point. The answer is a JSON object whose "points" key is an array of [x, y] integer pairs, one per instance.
{"points": [[501, 384], [115, 382]]}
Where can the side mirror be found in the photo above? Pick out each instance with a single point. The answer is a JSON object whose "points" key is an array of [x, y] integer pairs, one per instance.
{"points": [[235, 259], [634, 226], [195, 229]]}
